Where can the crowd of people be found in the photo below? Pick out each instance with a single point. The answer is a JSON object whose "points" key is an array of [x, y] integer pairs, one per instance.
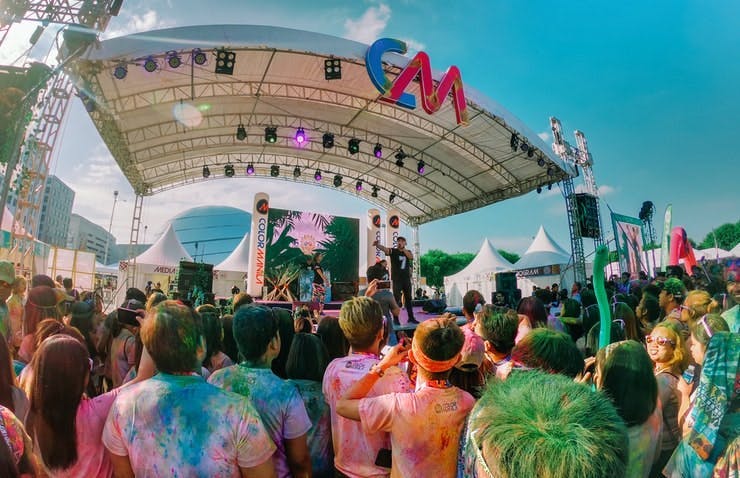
{"points": [[158, 388]]}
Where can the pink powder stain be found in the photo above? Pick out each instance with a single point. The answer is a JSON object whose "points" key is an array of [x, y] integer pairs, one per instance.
{"points": [[336, 386]]}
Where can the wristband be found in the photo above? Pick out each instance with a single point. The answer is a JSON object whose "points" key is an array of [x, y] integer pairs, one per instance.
{"points": [[377, 370]]}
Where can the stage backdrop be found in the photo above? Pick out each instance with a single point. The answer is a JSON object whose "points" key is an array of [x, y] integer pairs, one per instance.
{"points": [[628, 235], [294, 236]]}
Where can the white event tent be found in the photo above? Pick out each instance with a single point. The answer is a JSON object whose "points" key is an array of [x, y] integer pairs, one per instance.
{"points": [[232, 270], [735, 252], [478, 275], [543, 264], [159, 263]]}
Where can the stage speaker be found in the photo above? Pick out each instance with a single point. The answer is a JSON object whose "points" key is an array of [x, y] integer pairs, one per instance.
{"points": [[588, 215], [505, 281], [342, 290], [191, 274]]}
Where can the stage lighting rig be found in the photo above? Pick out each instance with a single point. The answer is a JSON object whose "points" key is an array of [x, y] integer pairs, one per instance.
{"points": [[206, 171], [274, 170], [353, 146], [199, 58], [378, 150], [173, 59], [229, 171], [271, 134], [241, 133], [250, 169], [337, 181], [333, 69], [225, 60], [317, 175], [297, 172], [327, 140]]}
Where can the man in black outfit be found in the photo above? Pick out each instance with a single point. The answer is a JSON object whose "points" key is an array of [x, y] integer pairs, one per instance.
{"points": [[401, 262]]}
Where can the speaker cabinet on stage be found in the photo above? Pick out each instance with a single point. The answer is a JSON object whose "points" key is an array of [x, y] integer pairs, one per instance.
{"points": [[191, 274], [506, 287]]}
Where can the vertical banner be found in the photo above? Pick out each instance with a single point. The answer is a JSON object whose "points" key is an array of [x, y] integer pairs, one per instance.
{"points": [[373, 234], [628, 236], [665, 250], [392, 230], [258, 245]]}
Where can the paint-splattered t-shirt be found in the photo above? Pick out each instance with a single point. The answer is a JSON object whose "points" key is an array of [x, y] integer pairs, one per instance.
{"points": [[181, 426], [425, 428], [319, 436], [277, 401], [355, 450]]}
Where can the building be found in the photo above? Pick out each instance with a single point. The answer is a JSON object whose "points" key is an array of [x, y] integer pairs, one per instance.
{"points": [[85, 235], [55, 212], [211, 233]]}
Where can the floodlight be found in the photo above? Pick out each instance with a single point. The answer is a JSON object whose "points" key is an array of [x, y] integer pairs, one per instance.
{"points": [[317, 175], [250, 169], [524, 147], [229, 171], [274, 170], [271, 134], [541, 162], [173, 59], [150, 64], [333, 69], [358, 186], [199, 58], [378, 151], [241, 133], [206, 171], [353, 146], [328, 140], [375, 191], [225, 60], [337, 180], [420, 167], [300, 136], [120, 72]]}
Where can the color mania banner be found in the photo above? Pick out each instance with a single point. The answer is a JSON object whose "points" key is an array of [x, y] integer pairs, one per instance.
{"points": [[374, 233], [630, 241], [258, 245]]}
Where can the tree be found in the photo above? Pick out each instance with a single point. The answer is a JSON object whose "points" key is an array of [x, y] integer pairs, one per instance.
{"points": [[436, 264], [727, 237], [512, 257]]}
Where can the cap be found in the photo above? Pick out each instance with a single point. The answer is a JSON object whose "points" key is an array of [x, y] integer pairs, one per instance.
{"points": [[472, 353], [7, 272]]}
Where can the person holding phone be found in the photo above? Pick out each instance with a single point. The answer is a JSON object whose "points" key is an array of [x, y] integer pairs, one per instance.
{"points": [[401, 265], [123, 347]]}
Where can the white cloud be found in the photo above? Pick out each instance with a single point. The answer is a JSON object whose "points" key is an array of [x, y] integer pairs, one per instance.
{"points": [[413, 45], [544, 136], [604, 189], [126, 24], [369, 26]]}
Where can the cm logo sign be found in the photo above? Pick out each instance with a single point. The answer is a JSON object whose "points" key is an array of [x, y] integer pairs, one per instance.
{"points": [[395, 91]]}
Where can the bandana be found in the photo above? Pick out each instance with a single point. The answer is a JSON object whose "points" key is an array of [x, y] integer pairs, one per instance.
{"points": [[428, 364]]}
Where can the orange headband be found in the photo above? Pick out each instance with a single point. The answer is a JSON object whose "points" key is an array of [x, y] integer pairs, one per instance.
{"points": [[428, 364]]}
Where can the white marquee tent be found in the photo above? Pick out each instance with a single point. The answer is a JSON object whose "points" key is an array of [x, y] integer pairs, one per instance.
{"points": [[232, 270], [735, 252], [535, 268], [159, 263], [478, 275]]}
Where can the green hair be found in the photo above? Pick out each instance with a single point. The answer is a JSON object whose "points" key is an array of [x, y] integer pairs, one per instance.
{"points": [[676, 288], [537, 424]]}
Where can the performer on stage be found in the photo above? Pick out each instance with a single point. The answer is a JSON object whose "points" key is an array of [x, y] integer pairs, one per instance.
{"points": [[401, 261], [318, 293]]}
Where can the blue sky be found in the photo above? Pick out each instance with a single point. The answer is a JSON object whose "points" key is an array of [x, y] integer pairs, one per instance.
{"points": [[653, 85]]}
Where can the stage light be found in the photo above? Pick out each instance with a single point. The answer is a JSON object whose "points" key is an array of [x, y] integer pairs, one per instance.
{"points": [[241, 133], [120, 72], [399, 161], [229, 171], [514, 142], [173, 59], [317, 175], [333, 69], [400, 154], [375, 191], [337, 180], [539, 189], [271, 134], [358, 186], [206, 171], [551, 171], [420, 167], [378, 151], [300, 136], [530, 153], [353, 146], [274, 170], [225, 60], [199, 58], [549, 186], [150, 64], [524, 147], [297, 172], [541, 162], [250, 169], [392, 197], [328, 140]]}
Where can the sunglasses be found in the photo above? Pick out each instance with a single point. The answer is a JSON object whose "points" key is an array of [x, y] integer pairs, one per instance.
{"points": [[659, 340]]}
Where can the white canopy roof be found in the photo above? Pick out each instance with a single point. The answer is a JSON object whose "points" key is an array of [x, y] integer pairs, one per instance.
{"points": [[164, 127], [543, 251], [712, 253], [238, 260], [488, 260], [735, 251], [167, 251]]}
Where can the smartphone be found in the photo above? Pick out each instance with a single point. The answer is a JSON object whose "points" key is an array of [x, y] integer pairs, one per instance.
{"points": [[128, 316], [688, 374], [384, 284]]}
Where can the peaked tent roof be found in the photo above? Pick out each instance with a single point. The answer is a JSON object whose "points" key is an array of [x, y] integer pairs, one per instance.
{"points": [[163, 128], [238, 260], [735, 251], [167, 251], [543, 251], [487, 260], [712, 253]]}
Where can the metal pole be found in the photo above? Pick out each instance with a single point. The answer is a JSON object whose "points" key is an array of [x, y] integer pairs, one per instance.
{"points": [[110, 226]]}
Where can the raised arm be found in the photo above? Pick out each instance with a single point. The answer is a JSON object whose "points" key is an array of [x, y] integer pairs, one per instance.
{"points": [[381, 247]]}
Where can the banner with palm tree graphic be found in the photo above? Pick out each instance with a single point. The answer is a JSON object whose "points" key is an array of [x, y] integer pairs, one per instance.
{"points": [[294, 236]]}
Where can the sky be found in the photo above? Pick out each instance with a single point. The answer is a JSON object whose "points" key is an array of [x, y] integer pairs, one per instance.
{"points": [[653, 85]]}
